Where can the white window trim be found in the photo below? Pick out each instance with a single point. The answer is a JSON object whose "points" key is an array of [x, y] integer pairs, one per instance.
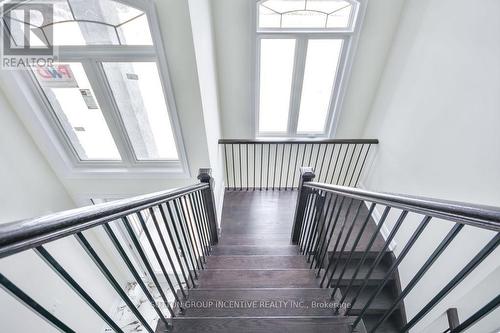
{"points": [[36, 111], [351, 39]]}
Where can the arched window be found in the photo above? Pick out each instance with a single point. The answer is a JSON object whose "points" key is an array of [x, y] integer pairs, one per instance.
{"points": [[108, 94], [303, 53]]}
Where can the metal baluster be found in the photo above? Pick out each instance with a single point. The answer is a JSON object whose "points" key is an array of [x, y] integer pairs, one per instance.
{"points": [[199, 204], [281, 168], [484, 311], [254, 167], [330, 162], [394, 266], [337, 242], [322, 162], [190, 230], [342, 165], [362, 165], [295, 165], [321, 230], [320, 202], [346, 239], [227, 171], [234, 168], [336, 161], [186, 274], [328, 234], [380, 255], [309, 201], [146, 263], [288, 168], [190, 255], [349, 165], [158, 259], [275, 163], [241, 174], [268, 161], [116, 286], [203, 236], [311, 154], [165, 248], [490, 247], [261, 164], [29, 302], [317, 159], [171, 238], [246, 149], [356, 165], [430, 261], [354, 245], [365, 253]]}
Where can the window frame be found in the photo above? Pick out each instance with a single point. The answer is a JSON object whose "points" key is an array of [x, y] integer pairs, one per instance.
{"points": [[349, 36], [91, 57]]}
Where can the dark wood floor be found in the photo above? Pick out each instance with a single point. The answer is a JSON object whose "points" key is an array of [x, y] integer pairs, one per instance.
{"points": [[255, 280]]}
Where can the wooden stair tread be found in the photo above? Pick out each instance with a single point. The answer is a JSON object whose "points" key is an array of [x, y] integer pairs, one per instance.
{"points": [[255, 250], [256, 262]]}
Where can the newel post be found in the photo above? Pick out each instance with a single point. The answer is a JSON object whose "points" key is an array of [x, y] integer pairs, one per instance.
{"points": [[205, 176], [306, 175]]}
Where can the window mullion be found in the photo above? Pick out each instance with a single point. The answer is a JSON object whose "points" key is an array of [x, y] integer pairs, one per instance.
{"points": [[298, 80], [105, 97]]}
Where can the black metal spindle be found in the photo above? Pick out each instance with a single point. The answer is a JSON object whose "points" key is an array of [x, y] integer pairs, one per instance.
{"points": [[330, 159], [346, 239], [261, 164], [353, 248], [295, 165], [321, 245], [375, 234], [362, 165], [349, 165], [484, 311], [355, 165], [380, 255], [174, 246], [281, 168], [342, 165], [190, 231], [416, 234], [320, 201], [309, 205], [158, 259], [179, 242], [225, 163], [328, 235], [321, 221], [146, 263], [234, 167], [336, 162], [29, 302], [203, 219], [322, 162], [190, 236], [432, 258], [254, 166], [311, 154], [288, 166], [246, 160], [275, 163], [337, 242], [202, 235], [471, 265], [268, 162], [317, 159], [165, 248], [116, 286], [184, 238]]}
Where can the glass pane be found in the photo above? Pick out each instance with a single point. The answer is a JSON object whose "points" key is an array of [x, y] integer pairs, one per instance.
{"points": [[106, 11], [282, 6], [303, 19], [276, 70], [340, 18], [71, 96], [82, 33], [135, 32], [138, 93], [268, 18], [322, 60]]}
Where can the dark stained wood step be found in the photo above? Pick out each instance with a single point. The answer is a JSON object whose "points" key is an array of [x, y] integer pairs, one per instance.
{"points": [[258, 239], [258, 302], [254, 250], [256, 262], [380, 304], [261, 325], [223, 278]]}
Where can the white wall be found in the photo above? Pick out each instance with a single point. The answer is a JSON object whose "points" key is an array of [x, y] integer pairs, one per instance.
{"points": [[436, 114], [235, 37], [30, 188], [203, 38]]}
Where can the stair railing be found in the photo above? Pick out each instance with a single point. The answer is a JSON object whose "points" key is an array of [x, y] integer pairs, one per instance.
{"points": [[325, 223], [274, 164], [184, 221]]}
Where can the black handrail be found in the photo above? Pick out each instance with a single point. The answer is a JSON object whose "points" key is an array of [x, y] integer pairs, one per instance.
{"points": [[325, 213], [186, 215], [26, 234], [273, 163], [486, 217]]}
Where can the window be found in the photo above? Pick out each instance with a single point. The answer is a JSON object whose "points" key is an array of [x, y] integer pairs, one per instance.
{"points": [[303, 50], [108, 96]]}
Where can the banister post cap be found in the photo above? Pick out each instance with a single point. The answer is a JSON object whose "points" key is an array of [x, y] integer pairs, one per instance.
{"points": [[205, 175], [307, 174]]}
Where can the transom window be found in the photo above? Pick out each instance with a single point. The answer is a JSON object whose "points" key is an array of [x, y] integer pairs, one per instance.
{"points": [[108, 95], [303, 47]]}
